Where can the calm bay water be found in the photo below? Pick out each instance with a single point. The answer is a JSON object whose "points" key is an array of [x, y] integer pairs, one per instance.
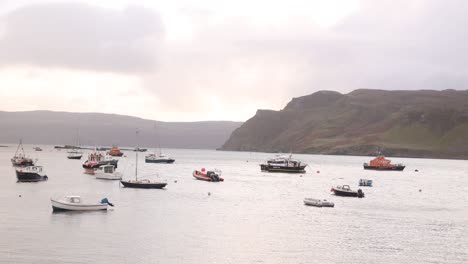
{"points": [[252, 217]]}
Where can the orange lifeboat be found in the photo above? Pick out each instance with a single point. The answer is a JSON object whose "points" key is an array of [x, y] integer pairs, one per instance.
{"points": [[381, 163], [115, 152]]}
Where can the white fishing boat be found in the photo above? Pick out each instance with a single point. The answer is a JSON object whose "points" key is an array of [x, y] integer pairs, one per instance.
{"points": [[318, 202], [107, 172], [75, 203]]}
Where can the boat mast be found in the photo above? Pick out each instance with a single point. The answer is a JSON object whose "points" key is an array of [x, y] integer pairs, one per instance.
{"points": [[136, 157]]}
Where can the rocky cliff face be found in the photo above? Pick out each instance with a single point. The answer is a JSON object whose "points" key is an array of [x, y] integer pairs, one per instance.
{"points": [[401, 123]]}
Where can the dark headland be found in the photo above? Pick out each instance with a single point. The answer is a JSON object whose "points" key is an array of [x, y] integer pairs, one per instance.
{"points": [[425, 123]]}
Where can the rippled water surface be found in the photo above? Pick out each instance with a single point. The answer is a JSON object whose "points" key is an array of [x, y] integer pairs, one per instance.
{"points": [[252, 217]]}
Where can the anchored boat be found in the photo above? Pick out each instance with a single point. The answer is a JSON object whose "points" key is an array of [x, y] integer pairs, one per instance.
{"points": [[115, 152], [95, 160], [346, 191], [161, 158], [31, 174], [107, 172], [364, 182], [381, 163], [211, 176], [318, 202], [75, 203], [142, 183], [284, 164], [20, 159]]}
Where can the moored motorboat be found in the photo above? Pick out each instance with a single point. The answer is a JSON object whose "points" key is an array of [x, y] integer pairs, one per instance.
{"points": [[115, 152], [345, 190], [107, 172], [161, 158], [318, 202], [75, 203], [74, 154], [95, 160], [365, 182], [212, 176], [37, 149], [380, 163], [283, 164], [20, 159], [31, 174]]}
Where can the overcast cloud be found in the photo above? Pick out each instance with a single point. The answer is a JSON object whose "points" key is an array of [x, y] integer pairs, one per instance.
{"points": [[206, 62]]}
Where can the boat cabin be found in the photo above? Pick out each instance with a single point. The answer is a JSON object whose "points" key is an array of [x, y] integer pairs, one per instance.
{"points": [[107, 168], [73, 199], [37, 169]]}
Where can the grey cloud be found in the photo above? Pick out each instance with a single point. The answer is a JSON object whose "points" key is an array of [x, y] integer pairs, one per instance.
{"points": [[81, 36]]}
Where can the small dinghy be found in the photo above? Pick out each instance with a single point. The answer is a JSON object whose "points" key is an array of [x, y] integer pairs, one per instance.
{"points": [[346, 191], [318, 202], [31, 174], [211, 176], [107, 172], [364, 182], [75, 203]]}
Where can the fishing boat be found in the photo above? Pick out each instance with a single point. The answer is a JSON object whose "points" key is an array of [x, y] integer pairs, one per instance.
{"points": [[96, 159], [115, 152], [160, 158], [75, 203], [141, 183], [380, 163], [345, 190], [365, 182], [318, 202], [211, 176], [31, 174], [283, 164], [20, 159], [107, 172]]}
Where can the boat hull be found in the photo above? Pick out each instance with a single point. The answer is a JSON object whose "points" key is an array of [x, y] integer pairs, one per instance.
{"points": [[139, 185], [380, 168], [75, 157], [61, 206], [116, 154], [166, 161], [30, 177], [284, 169], [108, 176]]}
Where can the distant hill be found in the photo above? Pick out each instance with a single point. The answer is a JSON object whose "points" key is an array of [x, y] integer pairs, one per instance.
{"points": [[60, 128], [400, 123]]}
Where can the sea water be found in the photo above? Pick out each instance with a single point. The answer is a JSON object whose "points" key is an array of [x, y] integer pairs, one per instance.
{"points": [[252, 217]]}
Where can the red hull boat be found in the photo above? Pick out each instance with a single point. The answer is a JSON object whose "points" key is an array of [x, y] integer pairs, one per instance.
{"points": [[207, 176]]}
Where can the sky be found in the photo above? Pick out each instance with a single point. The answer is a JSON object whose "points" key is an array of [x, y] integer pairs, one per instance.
{"points": [[184, 60]]}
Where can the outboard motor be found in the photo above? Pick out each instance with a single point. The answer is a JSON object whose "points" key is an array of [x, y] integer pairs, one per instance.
{"points": [[106, 201], [360, 194]]}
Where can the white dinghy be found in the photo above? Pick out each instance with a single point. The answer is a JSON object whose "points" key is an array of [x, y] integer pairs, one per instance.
{"points": [[318, 202], [75, 203]]}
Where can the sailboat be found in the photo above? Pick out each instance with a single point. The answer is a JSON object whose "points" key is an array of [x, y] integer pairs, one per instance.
{"points": [[158, 158], [74, 153], [142, 183]]}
